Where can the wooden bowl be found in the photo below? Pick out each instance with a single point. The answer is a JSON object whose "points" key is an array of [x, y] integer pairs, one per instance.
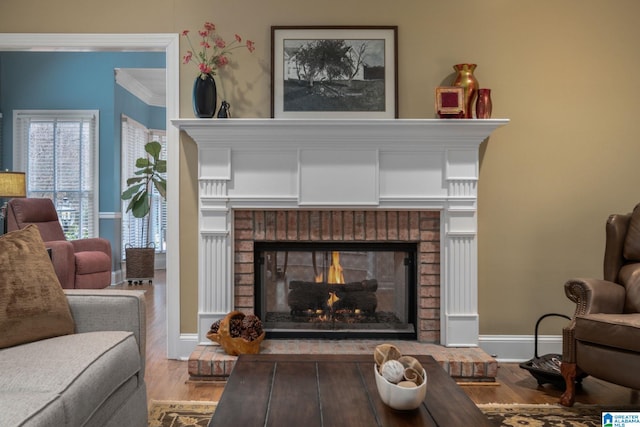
{"points": [[235, 345]]}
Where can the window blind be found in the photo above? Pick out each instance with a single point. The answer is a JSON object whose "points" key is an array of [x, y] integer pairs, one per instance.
{"points": [[58, 150]]}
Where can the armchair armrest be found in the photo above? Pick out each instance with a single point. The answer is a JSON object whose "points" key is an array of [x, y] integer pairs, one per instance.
{"points": [[590, 296], [110, 310], [595, 296], [92, 244], [64, 261]]}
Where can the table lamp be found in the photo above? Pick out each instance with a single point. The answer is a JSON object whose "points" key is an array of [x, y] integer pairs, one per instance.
{"points": [[12, 185]]}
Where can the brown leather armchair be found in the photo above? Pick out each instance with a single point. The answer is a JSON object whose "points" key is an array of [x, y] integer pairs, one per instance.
{"points": [[603, 338], [80, 264]]}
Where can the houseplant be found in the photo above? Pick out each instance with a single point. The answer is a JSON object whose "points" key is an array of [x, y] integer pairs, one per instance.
{"points": [[149, 172]]}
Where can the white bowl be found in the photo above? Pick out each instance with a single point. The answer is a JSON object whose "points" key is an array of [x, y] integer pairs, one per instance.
{"points": [[397, 397]]}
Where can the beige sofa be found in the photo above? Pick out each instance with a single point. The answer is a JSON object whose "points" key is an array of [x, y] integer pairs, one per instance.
{"points": [[93, 377]]}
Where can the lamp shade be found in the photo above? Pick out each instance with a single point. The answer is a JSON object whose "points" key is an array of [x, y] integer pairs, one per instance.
{"points": [[12, 184]]}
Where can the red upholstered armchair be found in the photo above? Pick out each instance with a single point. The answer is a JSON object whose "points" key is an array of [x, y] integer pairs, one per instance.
{"points": [[81, 264]]}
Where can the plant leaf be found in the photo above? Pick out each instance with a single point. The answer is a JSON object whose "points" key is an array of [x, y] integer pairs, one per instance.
{"points": [[131, 191], [154, 149], [135, 180], [132, 203], [147, 170], [142, 162], [161, 186], [161, 166], [141, 208]]}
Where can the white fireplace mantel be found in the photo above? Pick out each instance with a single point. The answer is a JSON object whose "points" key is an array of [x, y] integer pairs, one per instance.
{"points": [[404, 164]]}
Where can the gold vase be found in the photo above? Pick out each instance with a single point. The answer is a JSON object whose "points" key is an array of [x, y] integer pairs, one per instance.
{"points": [[466, 80]]}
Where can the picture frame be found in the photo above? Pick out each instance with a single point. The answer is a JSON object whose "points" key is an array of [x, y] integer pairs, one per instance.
{"points": [[359, 78], [449, 102]]}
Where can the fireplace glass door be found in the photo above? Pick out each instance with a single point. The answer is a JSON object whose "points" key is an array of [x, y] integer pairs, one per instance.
{"points": [[336, 290]]}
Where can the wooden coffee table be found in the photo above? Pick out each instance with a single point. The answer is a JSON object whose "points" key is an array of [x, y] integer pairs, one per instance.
{"points": [[333, 390]]}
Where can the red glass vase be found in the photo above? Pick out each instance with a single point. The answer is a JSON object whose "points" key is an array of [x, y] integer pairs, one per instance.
{"points": [[484, 104]]}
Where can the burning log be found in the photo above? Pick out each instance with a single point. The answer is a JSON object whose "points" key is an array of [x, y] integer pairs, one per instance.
{"points": [[365, 285], [304, 296], [364, 300]]}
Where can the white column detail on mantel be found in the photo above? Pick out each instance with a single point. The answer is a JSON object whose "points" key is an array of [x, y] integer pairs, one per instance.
{"points": [[394, 164]]}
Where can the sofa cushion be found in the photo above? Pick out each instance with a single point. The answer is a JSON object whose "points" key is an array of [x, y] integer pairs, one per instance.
{"points": [[74, 373], [39, 408], [613, 330], [32, 303], [631, 249]]}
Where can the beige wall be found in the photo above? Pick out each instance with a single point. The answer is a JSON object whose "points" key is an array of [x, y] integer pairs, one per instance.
{"points": [[562, 71]]}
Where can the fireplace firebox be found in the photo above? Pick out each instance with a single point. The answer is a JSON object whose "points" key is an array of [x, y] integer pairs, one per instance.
{"points": [[336, 290]]}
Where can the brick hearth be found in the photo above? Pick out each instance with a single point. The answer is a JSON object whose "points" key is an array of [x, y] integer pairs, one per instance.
{"points": [[210, 362]]}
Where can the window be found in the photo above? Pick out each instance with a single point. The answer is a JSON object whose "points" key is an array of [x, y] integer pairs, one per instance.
{"points": [[134, 138], [58, 150]]}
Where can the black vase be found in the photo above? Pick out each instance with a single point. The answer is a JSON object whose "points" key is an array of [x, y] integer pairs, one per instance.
{"points": [[224, 112], [204, 97]]}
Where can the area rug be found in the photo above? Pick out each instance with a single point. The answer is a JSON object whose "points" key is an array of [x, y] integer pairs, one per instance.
{"points": [[180, 413], [198, 414], [513, 415]]}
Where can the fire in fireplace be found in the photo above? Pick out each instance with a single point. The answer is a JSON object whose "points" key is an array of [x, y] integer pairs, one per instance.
{"points": [[336, 290]]}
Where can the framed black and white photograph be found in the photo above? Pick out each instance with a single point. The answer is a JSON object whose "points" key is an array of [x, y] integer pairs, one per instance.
{"points": [[334, 72]]}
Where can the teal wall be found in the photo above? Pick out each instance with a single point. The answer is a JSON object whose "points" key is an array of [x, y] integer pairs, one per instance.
{"points": [[80, 80]]}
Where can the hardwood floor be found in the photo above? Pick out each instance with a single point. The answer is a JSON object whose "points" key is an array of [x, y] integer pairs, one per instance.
{"points": [[168, 379]]}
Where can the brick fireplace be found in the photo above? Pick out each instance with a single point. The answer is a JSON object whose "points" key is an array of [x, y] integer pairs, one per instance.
{"points": [[420, 227], [376, 180]]}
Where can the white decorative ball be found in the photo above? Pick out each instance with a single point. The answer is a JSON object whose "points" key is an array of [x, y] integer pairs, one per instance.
{"points": [[392, 371]]}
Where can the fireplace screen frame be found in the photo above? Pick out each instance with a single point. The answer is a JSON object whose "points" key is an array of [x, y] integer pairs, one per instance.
{"points": [[410, 261]]}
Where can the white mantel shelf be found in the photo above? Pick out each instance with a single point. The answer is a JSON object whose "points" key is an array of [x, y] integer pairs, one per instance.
{"points": [[376, 131], [392, 164]]}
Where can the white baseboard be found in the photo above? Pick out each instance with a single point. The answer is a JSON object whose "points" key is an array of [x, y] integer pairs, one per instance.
{"points": [[186, 344], [117, 277], [519, 348]]}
